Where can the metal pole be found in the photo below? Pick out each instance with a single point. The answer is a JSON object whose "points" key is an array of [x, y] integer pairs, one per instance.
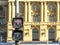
{"points": [[16, 8], [16, 42]]}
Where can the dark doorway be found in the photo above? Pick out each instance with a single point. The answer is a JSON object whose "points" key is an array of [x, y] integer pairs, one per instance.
{"points": [[3, 36], [35, 35], [51, 34]]}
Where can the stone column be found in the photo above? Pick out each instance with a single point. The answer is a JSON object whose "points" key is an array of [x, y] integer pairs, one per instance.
{"points": [[9, 32], [45, 10], [13, 9], [9, 5], [57, 11], [57, 27], [41, 11], [25, 11], [29, 12]]}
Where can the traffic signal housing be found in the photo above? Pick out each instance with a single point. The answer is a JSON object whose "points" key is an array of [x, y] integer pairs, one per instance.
{"points": [[17, 22], [17, 35]]}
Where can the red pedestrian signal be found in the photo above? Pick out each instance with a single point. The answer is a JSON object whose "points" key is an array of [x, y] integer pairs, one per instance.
{"points": [[17, 22]]}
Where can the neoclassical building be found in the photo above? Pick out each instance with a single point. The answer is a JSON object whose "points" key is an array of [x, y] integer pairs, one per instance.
{"points": [[41, 20]]}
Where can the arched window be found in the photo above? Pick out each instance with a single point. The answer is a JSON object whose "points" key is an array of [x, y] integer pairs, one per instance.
{"points": [[36, 11], [51, 34], [35, 34], [52, 7]]}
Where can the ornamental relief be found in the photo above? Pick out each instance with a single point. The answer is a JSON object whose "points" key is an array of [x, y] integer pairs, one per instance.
{"points": [[35, 7], [51, 7]]}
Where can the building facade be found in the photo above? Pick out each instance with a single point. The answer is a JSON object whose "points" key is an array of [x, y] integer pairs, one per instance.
{"points": [[41, 19]]}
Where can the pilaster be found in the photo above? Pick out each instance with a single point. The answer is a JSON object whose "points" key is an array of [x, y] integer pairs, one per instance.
{"points": [[45, 10], [57, 11], [29, 10], [41, 11], [25, 11], [13, 9], [9, 29]]}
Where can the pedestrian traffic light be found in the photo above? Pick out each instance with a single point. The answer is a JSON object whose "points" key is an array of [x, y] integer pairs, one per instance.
{"points": [[17, 35], [17, 22]]}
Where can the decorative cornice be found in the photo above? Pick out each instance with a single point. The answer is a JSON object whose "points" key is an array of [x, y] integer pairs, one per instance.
{"points": [[34, 0]]}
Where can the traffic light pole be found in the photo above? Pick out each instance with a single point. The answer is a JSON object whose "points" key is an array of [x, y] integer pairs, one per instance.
{"points": [[16, 15], [16, 8], [16, 42], [17, 23]]}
